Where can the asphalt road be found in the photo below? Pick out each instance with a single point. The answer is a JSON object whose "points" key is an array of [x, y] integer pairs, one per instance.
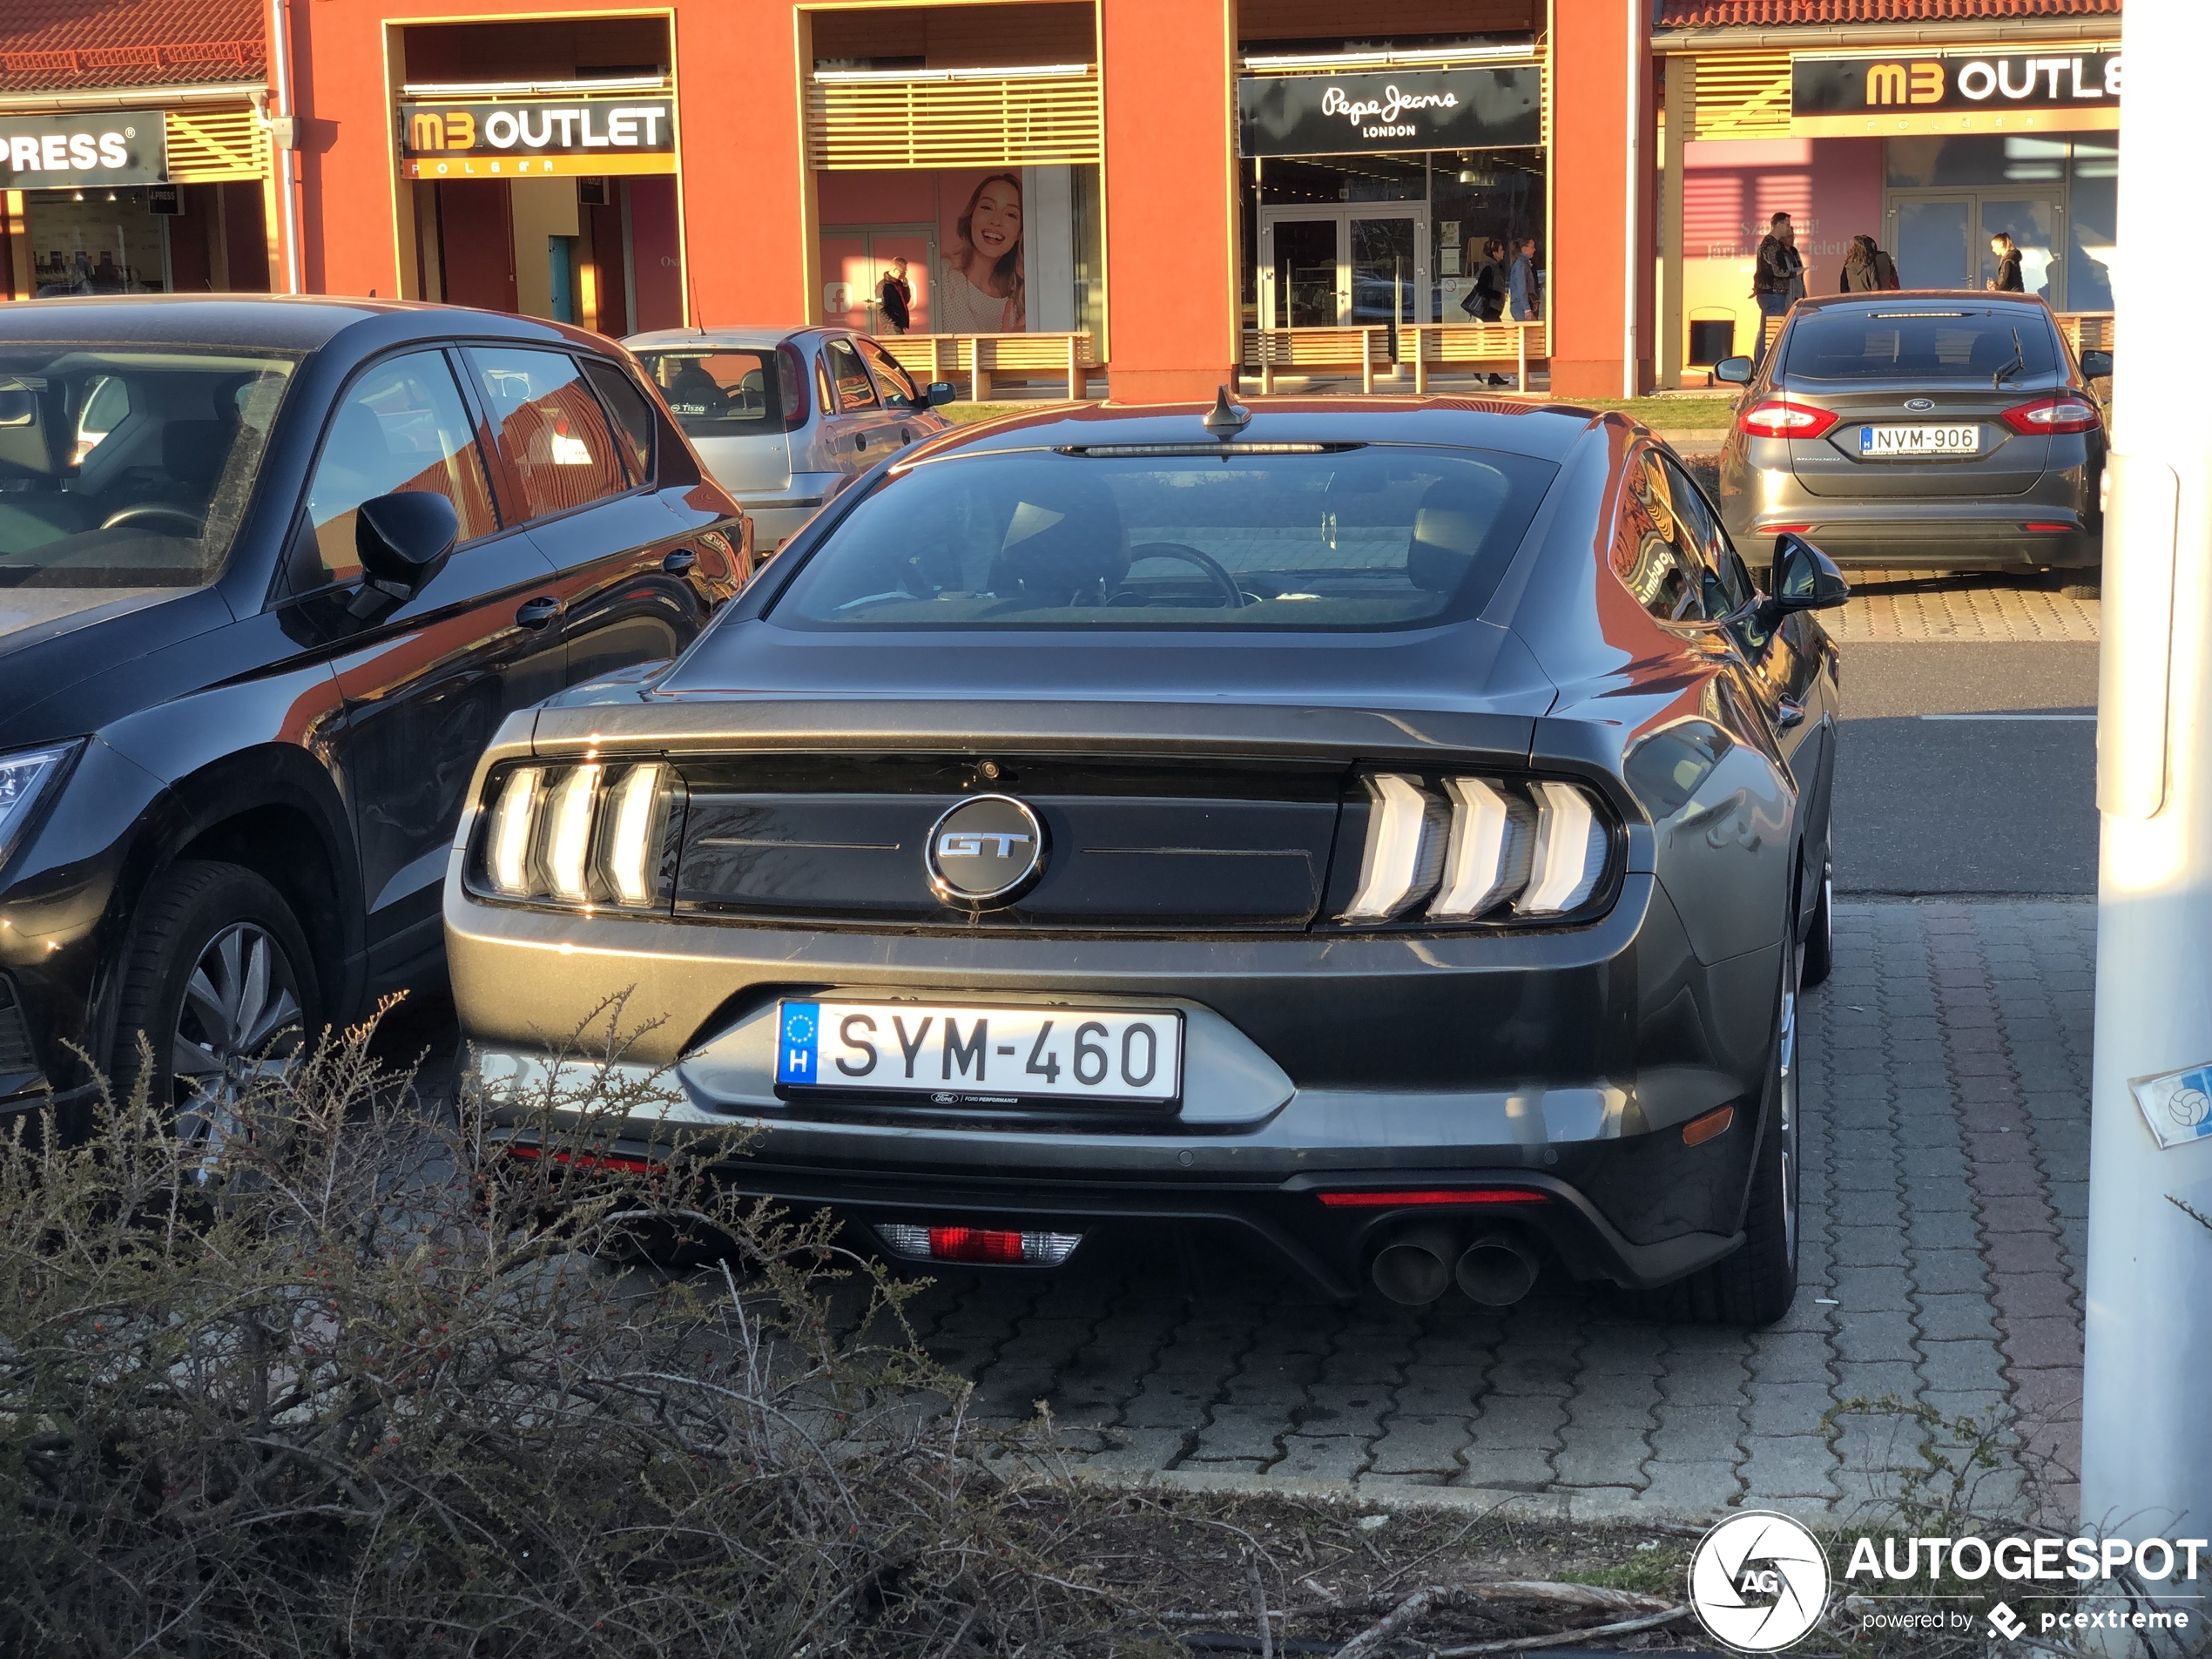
{"points": [[1946, 806]]}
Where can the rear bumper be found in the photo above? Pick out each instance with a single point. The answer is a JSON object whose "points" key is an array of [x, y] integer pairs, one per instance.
{"points": [[1979, 536], [779, 516]]}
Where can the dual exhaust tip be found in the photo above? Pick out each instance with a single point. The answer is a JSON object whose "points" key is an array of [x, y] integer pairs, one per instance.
{"points": [[1417, 1265]]}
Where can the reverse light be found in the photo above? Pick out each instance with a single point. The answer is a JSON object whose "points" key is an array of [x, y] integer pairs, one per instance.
{"points": [[582, 835], [1475, 848], [1779, 417], [2064, 412], [989, 1246]]}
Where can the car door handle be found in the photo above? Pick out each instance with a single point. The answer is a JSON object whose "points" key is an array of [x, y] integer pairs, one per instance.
{"points": [[679, 562], [1790, 713], [538, 613]]}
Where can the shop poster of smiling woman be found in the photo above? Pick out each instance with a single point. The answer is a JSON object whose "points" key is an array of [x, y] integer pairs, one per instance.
{"points": [[983, 291]]}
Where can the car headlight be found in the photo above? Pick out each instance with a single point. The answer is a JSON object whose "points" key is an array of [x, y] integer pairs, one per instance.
{"points": [[24, 778], [1466, 849], [588, 836]]}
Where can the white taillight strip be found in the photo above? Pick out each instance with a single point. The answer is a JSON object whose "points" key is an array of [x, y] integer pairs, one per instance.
{"points": [[513, 821], [1475, 866], [1397, 870], [568, 850], [630, 846], [1565, 873]]}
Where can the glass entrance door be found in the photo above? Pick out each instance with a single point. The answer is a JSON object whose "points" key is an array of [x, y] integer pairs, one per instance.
{"points": [[1932, 239], [2032, 222], [1324, 269]]}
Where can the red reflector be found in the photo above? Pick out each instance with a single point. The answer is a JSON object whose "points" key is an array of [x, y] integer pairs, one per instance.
{"points": [[591, 1160], [1699, 1130], [974, 1244], [2052, 529], [1786, 529], [1388, 1200]]}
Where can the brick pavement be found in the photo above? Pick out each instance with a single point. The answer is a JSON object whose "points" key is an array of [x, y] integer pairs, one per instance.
{"points": [[1903, 606], [1946, 1189]]}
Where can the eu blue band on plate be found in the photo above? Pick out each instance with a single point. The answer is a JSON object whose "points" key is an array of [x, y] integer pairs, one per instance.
{"points": [[1866, 441], [799, 1034]]}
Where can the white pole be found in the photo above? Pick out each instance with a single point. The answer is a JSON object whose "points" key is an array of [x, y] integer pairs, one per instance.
{"points": [[1629, 283], [2146, 1436], [285, 138]]}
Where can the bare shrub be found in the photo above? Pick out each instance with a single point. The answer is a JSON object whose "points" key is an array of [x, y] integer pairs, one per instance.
{"points": [[363, 1384]]}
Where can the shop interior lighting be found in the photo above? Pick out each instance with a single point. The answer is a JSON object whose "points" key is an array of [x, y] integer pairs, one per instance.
{"points": [[536, 88], [1387, 59], [1006, 72]]}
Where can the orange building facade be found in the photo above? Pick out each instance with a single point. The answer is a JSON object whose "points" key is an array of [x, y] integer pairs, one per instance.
{"points": [[1145, 190]]}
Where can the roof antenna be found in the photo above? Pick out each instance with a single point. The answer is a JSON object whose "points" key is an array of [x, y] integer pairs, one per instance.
{"points": [[1225, 420]]}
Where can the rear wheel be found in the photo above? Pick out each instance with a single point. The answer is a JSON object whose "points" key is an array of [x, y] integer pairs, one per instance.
{"points": [[1755, 1285], [217, 979]]}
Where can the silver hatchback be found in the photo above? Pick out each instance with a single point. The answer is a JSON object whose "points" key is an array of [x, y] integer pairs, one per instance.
{"points": [[784, 418]]}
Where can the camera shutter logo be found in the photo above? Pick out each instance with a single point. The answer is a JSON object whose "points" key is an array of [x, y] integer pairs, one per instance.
{"points": [[989, 850], [1758, 1582]]}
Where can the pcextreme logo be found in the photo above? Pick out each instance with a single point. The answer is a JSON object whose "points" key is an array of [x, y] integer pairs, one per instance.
{"points": [[1758, 1580]]}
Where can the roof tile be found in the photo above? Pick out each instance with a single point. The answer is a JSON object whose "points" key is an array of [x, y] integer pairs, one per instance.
{"points": [[56, 45], [1706, 14]]}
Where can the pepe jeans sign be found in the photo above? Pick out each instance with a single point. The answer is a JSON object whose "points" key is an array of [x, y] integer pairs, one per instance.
{"points": [[1456, 108], [1954, 93], [513, 138], [103, 147]]}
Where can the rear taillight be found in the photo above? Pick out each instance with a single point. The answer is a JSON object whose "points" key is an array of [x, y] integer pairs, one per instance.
{"points": [[586, 835], [790, 380], [2061, 414], [1472, 849], [986, 1245], [1779, 417]]}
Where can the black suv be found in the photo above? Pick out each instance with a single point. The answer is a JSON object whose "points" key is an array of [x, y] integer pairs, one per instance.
{"points": [[272, 572]]}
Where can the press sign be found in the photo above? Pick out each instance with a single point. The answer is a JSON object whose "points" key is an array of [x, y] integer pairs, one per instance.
{"points": [[103, 147]]}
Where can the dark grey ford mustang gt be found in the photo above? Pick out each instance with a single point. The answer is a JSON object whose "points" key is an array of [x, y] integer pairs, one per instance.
{"points": [[1395, 831]]}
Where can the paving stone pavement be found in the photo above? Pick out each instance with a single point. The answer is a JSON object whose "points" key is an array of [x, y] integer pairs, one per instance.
{"points": [[1945, 1091], [1902, 606]]}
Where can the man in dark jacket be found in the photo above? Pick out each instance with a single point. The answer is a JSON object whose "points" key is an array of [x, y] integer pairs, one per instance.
{"points": [[895, 295], [1778, 282]]}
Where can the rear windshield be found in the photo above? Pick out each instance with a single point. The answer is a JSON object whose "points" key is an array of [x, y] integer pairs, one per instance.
{"points": [[719, 393], [1923, 344], [128, 469], [1355, 539]]}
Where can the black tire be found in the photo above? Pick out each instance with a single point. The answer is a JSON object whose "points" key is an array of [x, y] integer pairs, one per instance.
{"points": [[1755, 1285], [216, 923], [1819, 957]]}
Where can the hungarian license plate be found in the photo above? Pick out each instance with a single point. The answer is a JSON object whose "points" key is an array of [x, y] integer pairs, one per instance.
{"points": [[1919, 440], [961, 1056]]}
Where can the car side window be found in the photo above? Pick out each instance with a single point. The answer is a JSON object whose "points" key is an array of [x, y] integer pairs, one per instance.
{"points": [[634, 422], [855, 389], [550, 429], [890, 374], [1728, 587], [400, 426], [1651, 554]]}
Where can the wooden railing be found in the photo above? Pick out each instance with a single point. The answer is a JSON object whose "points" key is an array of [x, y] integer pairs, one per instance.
{"points": [[2086, 330], [976, 358], [1425, 345]]}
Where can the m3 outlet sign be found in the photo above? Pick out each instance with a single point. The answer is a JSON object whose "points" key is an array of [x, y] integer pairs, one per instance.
{"points": [[514, 137], [1921, 92]]}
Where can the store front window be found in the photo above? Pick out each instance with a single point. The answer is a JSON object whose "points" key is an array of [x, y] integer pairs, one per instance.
{"points": [[2054, 195], [97, 241], [1368, 239]]}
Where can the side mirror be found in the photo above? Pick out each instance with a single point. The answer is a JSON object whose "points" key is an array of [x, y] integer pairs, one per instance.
{"points": [[1804, 579], [2096, 365], [1735, 371], [404, 539], [942, 392]]}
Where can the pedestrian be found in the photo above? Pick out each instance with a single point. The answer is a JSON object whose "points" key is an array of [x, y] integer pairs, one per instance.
{"points": [[1487, 303], [1521, 282], [1862, 271], [1778, 280], [2006, 253], [896, 296]]}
